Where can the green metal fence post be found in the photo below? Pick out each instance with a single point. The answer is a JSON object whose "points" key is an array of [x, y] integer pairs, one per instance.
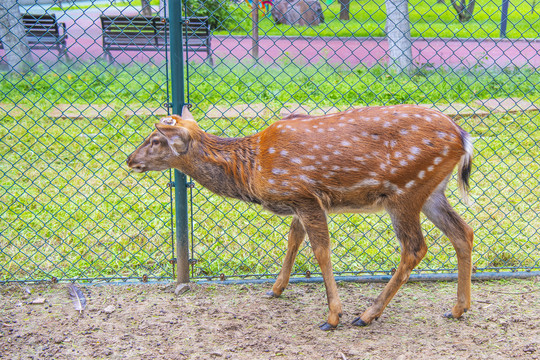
{"points": [[177, 97]]}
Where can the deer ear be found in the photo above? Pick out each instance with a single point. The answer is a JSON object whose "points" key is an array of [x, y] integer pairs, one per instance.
{"points": [[177, 137], [186, 115]]}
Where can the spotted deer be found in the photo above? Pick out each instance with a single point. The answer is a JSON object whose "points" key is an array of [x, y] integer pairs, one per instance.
{"points": [[394, 158]]}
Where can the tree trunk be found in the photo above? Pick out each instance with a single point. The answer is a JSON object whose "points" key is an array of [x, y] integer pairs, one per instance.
{"points": [[398, 32], [344, 11], [13, 37], [146, 9], [464, 10]]}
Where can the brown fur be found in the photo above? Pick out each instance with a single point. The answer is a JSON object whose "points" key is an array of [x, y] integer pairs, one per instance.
{"points": [[395, 158]]}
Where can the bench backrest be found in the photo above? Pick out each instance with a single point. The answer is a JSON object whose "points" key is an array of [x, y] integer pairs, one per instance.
{"points": [[41, 26], [143, 31]]}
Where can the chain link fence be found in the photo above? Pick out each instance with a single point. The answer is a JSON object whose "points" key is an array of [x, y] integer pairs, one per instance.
{"points": [[71, 210]]}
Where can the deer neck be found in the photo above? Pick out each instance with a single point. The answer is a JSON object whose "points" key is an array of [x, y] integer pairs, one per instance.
{"points": [[225, 166]]}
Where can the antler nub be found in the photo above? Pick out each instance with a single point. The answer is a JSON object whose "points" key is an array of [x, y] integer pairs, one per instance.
{"points": [[168, 121]]}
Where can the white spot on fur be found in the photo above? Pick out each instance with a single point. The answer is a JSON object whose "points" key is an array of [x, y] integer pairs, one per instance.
{"points": [[326, 157], [414, 150], [421, 174], [414, 128], [437, 160], [306, 179], [403, 132], [337, 152], [410, 184], [280, 171], [397, 154], [308, 168], [445, 151], [283, 153], [296, 160], [375, 137], [403, 162], [430, 168], [345, 143], [271, 150]]}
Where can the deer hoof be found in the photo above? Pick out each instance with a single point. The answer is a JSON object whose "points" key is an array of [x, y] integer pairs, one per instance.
{"points": [[359, 322], [271, 294], [449, 315], [327, 327]]}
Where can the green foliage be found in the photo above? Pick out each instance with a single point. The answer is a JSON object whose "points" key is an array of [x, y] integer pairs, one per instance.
{"points": [[218, 12]]}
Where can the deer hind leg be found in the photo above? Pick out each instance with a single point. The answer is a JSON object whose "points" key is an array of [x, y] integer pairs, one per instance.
{"points": [[296, 237], [442, 215], [314, 220], [413, 249]]}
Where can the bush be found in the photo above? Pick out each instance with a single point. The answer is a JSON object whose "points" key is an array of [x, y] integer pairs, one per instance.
{"points": [[218, 12]]}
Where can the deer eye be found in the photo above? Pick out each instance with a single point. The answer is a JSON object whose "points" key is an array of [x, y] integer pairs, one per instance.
{"points": [[155, 142]]}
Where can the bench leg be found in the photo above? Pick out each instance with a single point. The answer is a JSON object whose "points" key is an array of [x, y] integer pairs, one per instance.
{"points": [[209, 57]]}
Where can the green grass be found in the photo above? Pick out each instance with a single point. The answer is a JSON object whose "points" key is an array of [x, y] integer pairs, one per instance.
{"points": [[69, 207], [428, 19]]}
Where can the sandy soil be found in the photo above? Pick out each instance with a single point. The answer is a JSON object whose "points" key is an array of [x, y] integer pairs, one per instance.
{"points": [[239, 322]]}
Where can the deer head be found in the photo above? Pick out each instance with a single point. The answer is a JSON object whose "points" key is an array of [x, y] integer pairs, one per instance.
{"points": [[172, 138]]}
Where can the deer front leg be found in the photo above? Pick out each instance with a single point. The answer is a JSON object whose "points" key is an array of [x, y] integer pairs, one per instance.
{"points": [[314, 221], [296, 237]]}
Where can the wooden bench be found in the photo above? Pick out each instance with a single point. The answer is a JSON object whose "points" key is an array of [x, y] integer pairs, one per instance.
{"points": [[140, 33], [44, 32]]}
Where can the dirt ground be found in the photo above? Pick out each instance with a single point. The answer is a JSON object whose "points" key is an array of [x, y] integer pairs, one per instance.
{"points": [[239, 322]]}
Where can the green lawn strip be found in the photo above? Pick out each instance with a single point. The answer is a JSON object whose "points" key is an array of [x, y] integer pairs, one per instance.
{"points": [[428, 19], [69, 207]]}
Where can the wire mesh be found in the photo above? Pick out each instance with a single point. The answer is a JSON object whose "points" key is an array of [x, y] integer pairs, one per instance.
{"points": [[69, 118], [69, 208], [342, 56]]}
